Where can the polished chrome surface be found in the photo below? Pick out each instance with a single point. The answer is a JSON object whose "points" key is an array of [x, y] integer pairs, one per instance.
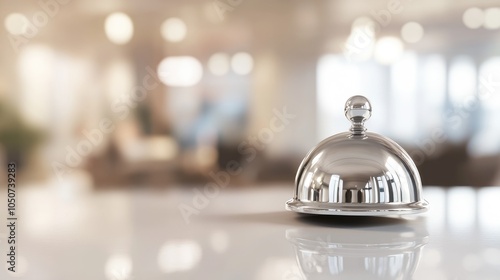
{"points": [[357, 173]]}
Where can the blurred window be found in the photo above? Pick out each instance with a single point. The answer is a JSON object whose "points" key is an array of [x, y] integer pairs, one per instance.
{"points": [[410, 101], [433, 91], [462, 89], [404, 105], [486, 139], [462, 79]]}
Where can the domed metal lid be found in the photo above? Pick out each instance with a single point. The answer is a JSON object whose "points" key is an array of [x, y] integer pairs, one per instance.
{"points": [[357, 173]]}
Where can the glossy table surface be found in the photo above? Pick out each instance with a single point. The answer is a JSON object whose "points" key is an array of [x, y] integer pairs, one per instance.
{"points": [[247, 234]]}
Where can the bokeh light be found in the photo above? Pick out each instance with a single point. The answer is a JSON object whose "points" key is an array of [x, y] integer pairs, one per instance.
{"points": [[118, 267], [492, 18], [16, 24], [412, 32], [180, 71], [365, 23], [179, 255], [173, 30], [360, 43], [388, 50], [473, 18], [242, 63], [119, 28]]}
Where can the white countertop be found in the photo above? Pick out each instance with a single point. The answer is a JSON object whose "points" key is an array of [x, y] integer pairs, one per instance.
{"points": [[247, 234]]}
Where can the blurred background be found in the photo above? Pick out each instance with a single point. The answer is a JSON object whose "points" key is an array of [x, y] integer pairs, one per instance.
{"points": [[166, 93]]}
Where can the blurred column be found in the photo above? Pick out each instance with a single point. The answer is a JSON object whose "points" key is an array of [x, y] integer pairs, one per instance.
{"points": [[285, 83], [300, 96], [266, 87], [147, 52]]}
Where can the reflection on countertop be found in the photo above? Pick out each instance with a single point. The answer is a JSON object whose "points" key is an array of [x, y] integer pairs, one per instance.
{"points": [[388, 252]]}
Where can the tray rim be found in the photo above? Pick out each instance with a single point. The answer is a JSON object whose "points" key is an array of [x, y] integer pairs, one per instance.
{"points": [[356, 209]]}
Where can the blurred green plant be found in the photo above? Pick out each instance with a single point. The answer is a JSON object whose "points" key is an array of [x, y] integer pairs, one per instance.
{"points": [[16, 137]]}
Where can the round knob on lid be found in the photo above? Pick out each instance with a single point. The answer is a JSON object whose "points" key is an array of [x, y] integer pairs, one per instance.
{"points": [[357, 110]]}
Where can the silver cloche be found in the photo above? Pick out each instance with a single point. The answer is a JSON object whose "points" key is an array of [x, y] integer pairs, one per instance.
{"points": [[357, 173]]}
